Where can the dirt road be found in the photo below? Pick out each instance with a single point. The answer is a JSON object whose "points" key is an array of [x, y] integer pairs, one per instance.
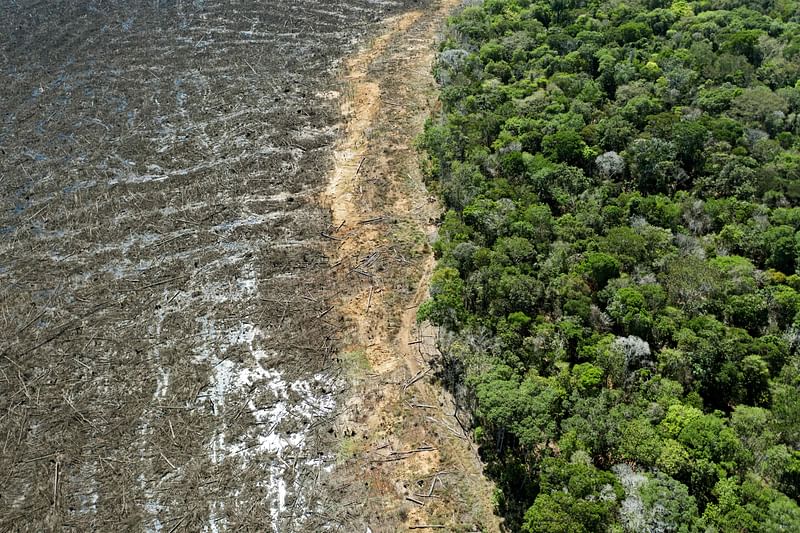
{"points": [[405, 461]]}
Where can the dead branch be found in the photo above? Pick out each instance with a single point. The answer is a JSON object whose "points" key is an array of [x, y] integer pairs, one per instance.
{"points": [[418, 376]]}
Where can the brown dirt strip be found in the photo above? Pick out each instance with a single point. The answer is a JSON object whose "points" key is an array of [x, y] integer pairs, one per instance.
{"points": [[404, 460]]}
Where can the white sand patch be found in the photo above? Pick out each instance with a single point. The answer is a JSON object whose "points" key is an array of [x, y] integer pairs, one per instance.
{"points": [[253, 385]]}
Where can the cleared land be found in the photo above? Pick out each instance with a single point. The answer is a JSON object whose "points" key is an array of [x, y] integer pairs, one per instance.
{"points": [[166, 305]]}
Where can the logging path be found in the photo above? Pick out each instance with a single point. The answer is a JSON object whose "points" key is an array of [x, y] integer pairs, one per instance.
{"points": [[405, 461]]}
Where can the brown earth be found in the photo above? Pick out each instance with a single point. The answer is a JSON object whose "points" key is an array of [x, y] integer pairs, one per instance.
{"points": [[405, 459]]}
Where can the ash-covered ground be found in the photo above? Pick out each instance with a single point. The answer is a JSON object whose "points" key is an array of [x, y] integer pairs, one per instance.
{"points": [[167, 344]]}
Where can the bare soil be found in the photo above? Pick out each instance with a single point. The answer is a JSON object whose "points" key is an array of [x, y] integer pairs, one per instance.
{"points": [[405, 459], [168, 314]]}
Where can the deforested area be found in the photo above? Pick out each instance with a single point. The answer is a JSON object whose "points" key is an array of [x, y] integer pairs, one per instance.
{"points": [[167, 328]]}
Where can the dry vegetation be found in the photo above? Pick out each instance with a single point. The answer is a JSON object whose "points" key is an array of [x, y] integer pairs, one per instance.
{"points": [[166, 305]]}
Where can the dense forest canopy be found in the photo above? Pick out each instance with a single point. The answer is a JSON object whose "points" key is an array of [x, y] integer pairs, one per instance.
{"points": [[618, 264]]}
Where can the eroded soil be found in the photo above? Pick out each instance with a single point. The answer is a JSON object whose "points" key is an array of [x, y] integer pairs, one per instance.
{"points": [[405, 459]]}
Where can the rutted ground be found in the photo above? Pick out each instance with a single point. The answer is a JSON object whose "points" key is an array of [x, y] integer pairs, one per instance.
{"points": [[405, 460], [165, 298]]}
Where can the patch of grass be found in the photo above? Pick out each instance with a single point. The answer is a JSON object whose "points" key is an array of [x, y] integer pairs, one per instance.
{"points": [[410, 239], [349, 447], [355, 361]]}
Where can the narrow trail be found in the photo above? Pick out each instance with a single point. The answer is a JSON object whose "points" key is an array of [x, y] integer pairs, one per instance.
{"points": [[404, 460]]}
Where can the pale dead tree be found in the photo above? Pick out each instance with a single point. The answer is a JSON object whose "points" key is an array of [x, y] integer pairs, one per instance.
{"points": [[610, 165]]}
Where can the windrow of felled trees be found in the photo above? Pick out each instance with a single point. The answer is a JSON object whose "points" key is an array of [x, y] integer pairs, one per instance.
{"points": [[618, 264]]}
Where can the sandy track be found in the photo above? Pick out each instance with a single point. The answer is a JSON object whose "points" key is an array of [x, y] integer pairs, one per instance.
{"points": [[404, 458]]}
